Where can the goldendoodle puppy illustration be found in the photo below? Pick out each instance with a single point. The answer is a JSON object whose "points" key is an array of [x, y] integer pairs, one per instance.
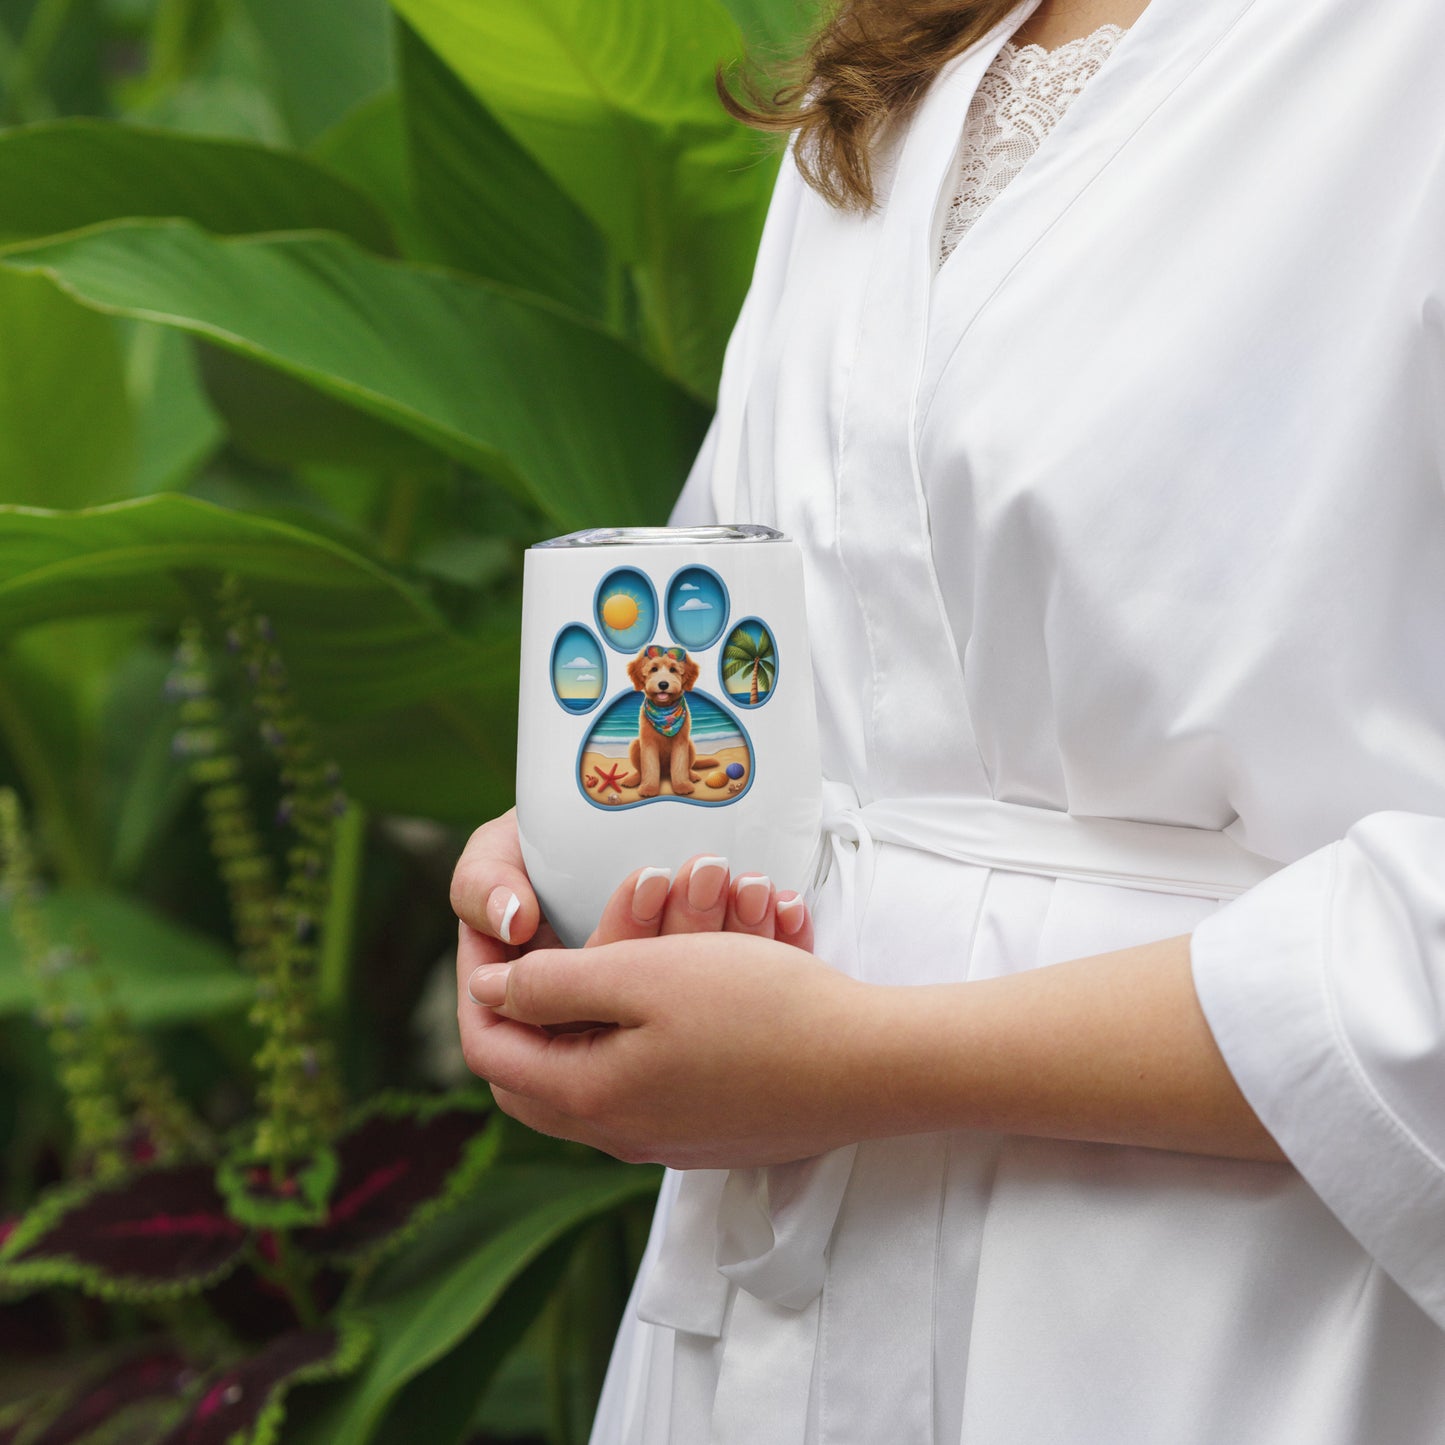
{"points": [[663, 745]]}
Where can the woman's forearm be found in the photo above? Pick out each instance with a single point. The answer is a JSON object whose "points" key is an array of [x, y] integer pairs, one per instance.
{"points": [[1112, 1048]]}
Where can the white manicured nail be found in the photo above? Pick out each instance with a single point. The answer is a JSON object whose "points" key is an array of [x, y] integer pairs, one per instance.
{"points": [[502, 908], [706, 883], [752, 899], [649, 893], [790, 913]]}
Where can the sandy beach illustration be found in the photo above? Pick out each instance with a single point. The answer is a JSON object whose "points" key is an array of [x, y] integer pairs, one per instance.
{"points": [[725, 760]]}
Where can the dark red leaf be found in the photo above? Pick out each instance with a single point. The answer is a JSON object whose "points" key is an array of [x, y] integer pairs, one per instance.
{"points": [[393, 1164], [233, 1400], [163, 1230], [161, 1373]]}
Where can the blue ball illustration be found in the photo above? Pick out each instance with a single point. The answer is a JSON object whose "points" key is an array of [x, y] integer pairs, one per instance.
{"points": [[734, 770]]}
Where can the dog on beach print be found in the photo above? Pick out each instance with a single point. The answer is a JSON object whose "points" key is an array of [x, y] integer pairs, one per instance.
{"points": [[664, 676]]}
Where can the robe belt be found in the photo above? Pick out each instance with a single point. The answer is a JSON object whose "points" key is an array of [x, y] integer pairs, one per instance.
{"points": [[767, 1230]]}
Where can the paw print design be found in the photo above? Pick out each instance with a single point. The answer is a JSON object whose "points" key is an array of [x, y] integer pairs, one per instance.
{"points": [[663, 737]]}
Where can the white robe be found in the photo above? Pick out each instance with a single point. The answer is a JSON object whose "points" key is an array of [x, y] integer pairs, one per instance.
{"points": [[1135, 510]]}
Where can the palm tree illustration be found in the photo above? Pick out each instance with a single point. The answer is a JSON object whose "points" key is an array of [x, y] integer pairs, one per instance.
{"points": [[754, 655]]}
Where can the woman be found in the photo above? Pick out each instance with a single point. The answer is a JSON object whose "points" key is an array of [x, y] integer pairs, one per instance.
{"points": [[1125, 530]]}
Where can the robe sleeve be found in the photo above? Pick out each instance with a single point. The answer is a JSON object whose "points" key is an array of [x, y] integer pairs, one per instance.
{"points": [[1324, 987]]}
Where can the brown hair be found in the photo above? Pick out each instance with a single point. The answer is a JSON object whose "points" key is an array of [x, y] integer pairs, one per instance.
{"points": [[867, 66]]}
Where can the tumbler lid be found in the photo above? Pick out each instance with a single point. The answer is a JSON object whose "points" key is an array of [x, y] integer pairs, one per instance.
{"points": [[652, 536]]}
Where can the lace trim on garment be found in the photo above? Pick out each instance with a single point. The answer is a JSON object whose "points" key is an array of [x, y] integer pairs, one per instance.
{"points": [[1021, 97]]}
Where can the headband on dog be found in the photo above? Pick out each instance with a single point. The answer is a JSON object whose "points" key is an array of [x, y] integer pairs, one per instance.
{"points": [[678, 654]]}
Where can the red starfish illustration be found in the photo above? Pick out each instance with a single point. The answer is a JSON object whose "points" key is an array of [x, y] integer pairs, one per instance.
{"points": [[610, 777]]}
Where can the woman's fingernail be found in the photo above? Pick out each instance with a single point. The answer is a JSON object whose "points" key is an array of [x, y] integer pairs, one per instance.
{"points": [[649, 893], [706, 883], [488, 984], [790, 914], [502, 908], [752, 900]]}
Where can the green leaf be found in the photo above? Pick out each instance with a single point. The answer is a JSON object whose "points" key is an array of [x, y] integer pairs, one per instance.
{"points": [[448, 1393], [274, 418], [66, 429], [76, 173], [177, 428], [775, 28], [493, 210], [421, 720], [426, 1301], [368, 147], [617, 103], [325, 54], [164, 973], [210, 75], [515, 387]]}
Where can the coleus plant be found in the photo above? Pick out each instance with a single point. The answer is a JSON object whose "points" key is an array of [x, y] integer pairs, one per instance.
{"points": [[244, 1251]]}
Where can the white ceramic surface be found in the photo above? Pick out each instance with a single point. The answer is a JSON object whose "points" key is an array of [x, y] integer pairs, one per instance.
{"points": [[582, 833]]}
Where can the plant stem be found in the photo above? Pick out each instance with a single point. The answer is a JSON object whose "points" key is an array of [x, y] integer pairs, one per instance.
{"points": [[73, 862], [289, 1278], [339, 926]]}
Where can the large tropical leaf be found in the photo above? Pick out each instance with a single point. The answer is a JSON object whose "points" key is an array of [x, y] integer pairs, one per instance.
{"points": [[79, 172], [177, 428], [617, 102], [368, 147], [163, 973], [66, 428], [209, 74], [326, 56], [775, 28], [426, 1301], [421, 719], [565, 414], [492, 209]]}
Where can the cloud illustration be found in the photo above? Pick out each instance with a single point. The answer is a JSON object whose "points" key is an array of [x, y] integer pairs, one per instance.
{"points": [[688, 587], [695, 604], [580, 662], [585, 677]]}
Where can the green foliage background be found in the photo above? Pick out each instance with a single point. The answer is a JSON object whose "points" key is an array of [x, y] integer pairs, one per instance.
{"points": [[352, 301]]}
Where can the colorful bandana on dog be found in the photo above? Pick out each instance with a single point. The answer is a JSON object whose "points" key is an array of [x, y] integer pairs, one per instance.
{"points": [[667, 721]]}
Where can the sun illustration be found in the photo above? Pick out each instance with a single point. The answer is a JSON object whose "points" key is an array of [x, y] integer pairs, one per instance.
{"points": [[620, 611]]}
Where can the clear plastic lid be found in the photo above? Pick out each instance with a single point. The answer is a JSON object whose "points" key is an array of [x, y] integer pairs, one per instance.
{"points": [[659, 536]]}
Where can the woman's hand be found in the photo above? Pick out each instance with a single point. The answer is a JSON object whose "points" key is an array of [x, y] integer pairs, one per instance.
{"points": [[493, 898], [500, 918], [709, 1050]]}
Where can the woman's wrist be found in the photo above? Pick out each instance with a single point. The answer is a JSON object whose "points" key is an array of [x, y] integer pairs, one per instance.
{"points": [[1111, 1049]]}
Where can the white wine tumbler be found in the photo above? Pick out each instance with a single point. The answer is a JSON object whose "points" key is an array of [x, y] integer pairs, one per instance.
{"points": [[666, 709]]}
